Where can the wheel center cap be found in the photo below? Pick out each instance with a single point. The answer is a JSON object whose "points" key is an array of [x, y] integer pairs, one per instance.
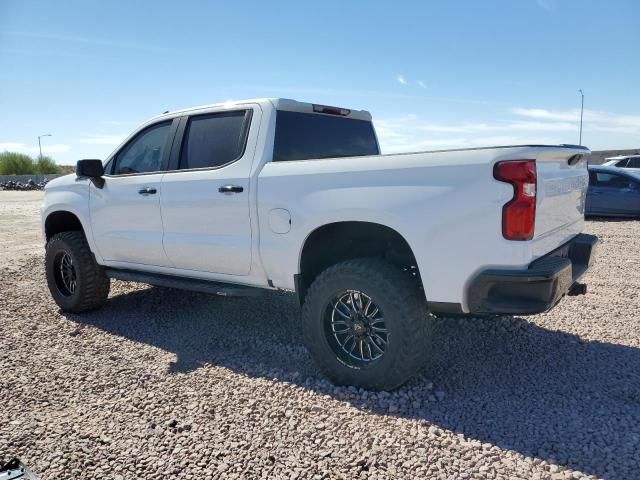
{"points": [[358, 328]]}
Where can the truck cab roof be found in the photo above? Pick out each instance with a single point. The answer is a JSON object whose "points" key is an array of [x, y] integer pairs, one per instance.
{"points": [[285, 104]]}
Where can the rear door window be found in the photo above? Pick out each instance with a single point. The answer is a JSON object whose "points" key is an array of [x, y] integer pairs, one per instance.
{"points": [[634, 162], [304, 136], [622, 163], [215, 140]]}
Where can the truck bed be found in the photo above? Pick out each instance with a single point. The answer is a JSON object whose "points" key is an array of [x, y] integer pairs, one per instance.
{"points": [[445, 203]]}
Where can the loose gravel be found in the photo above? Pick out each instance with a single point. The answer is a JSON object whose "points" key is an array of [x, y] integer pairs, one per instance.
{"points": [[20, 234], [169, 383]]}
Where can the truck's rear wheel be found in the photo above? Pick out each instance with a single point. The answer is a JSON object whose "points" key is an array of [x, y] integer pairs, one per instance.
{"points": [[76, 282], [366, 324]]}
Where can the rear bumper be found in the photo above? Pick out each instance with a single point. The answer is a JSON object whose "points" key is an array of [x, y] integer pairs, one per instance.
{"points": [[537, 288]]}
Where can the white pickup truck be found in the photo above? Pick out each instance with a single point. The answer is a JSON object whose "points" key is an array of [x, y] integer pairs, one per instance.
{"points": [[278, 194]]}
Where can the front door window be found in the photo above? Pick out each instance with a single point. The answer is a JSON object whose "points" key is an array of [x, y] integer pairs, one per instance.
{"points": [[144, 153]]}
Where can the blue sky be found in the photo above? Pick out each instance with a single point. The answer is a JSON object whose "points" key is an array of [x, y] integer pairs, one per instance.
{"points": [[434, 74]]}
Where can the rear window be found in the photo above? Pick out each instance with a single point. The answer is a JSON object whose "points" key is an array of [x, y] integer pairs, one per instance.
{"points": [[303, 136]]}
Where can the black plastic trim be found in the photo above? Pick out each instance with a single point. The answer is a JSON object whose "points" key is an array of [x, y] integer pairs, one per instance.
{"points": [[536, 289], [174, 157], [182, 283], [445, 308], [301, 290], [169, 145]]}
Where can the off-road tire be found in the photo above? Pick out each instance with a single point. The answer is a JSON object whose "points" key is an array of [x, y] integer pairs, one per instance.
{"points": [[92, 285], [405, 313]]}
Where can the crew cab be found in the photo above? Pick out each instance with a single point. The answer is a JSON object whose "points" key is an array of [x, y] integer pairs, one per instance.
{"points": [[238, 197]]}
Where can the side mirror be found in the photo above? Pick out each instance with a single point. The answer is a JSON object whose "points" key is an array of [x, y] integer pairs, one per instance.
{"points": [[91, 169]]}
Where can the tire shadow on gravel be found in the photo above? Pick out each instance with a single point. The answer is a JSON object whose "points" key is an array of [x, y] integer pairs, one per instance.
{"points": [[506, 381]]}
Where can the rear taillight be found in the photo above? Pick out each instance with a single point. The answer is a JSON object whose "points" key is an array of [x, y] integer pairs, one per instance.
{"points": [[519, 213]]}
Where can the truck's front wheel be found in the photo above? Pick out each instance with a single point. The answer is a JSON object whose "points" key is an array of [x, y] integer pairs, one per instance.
{"points": [[366, 324], [76, 282]]}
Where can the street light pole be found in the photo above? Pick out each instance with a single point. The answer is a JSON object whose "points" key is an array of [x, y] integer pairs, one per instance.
{"points": [[581, 112], [39, 144]]}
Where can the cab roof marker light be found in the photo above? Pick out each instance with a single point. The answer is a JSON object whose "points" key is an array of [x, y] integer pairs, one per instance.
{"points": [[331, 110]]}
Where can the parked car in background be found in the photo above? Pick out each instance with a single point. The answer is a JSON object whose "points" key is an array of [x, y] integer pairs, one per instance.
{"points": [[631, 162], [613, 192]]}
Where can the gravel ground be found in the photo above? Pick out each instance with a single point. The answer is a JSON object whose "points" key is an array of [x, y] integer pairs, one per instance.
{"points": [[162, 382], [20, 234]]}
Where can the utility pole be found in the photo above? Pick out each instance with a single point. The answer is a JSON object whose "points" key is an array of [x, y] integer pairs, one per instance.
{"points": [[581, 112], [39, 145]]}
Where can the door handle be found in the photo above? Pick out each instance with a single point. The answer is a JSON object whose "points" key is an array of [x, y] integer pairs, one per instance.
{"points": [[229, 189], [147, 191]]}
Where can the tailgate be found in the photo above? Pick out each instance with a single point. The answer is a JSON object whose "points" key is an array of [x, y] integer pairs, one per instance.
{"points": [[561, 191]]}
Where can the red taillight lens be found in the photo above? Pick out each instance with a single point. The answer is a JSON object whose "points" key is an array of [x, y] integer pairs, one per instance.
{"points": [[519, 214]]}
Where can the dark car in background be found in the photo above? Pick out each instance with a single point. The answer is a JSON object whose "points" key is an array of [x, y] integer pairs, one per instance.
{"points": [[613, 192]]}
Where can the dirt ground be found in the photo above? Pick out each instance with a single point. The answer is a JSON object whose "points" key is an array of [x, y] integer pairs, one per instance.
{"points": [[20, 234], [167, 383]]}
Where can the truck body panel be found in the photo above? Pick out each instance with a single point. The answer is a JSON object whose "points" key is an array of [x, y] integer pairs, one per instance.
{"points": [[446, 204]]}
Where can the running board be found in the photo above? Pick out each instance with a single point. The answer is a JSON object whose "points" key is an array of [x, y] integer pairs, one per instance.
{"points": [[181, 283]]}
